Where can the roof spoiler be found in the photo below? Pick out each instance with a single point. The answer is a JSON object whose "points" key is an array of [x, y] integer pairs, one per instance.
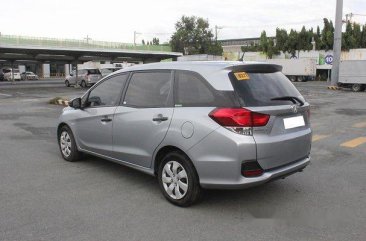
{"points": [[256, 68]]}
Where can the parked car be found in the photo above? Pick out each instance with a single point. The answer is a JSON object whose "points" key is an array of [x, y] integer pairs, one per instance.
{"points": [[11, 74], [194, 125], [86, 77], [107, 71], [29, 76]]}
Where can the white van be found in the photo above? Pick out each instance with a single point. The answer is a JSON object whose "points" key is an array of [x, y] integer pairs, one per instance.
{"points": [[11, 74]]}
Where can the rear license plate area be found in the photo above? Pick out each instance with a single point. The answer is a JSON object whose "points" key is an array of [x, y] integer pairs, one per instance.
{"points": [[293, 122]]}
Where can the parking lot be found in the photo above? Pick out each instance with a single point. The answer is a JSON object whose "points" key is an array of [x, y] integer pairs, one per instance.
{"points": [[46, 198]]}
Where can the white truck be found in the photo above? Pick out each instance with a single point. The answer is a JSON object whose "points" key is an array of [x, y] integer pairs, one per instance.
{"points": [[297, 69], [352, 74]]}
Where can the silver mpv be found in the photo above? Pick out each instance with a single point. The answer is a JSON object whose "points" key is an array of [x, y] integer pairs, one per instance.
{"points": [[194, 125]]}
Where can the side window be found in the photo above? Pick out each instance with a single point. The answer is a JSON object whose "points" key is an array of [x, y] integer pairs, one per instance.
{"points": [[108, 92], [149, 89], [192, 90]]}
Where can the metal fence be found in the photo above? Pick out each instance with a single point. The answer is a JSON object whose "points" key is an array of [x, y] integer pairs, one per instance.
{"points": [[15, 40]]}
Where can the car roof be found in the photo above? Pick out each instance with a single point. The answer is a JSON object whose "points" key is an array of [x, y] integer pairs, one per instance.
{"points": [[197, 66], [215, 72]]}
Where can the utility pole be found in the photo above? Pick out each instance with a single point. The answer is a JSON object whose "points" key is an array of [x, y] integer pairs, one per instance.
{"points": [[337, 43], [217, 28], [87, 39]]}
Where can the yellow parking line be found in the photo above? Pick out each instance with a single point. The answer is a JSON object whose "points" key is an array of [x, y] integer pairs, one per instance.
{"points": [[360, 125], [319, 137], [355, 142]]}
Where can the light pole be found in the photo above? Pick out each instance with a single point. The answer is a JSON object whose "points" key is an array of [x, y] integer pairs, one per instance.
{"points": [[337, 43]]}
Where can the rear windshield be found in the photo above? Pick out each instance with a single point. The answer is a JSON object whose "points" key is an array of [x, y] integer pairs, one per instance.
{"points": [[93, 71], [257, 89]]}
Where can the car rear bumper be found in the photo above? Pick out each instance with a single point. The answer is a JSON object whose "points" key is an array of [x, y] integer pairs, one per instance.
{"points": [[267, 176]]}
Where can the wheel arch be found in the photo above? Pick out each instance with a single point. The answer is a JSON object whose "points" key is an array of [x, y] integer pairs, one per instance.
{"points": [[62, 124], [165, 150]]}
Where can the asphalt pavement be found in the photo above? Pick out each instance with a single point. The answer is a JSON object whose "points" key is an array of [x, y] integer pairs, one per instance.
{"points": [[43, 197]]}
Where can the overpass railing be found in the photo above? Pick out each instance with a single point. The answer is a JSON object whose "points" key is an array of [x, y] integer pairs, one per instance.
{"points": [[15, 40]]}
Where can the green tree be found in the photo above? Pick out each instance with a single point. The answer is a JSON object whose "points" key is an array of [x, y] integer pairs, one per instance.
{"points": [[271, 48], [363, 37], [317, 39], [263, 42], [143, 42], [193, 36], [293, 42], [327, 35], [281, 39], [348, 39], [155, 41]]}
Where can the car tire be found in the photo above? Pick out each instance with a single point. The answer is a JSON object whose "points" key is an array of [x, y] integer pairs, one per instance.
{"points": [[178, 179], [356, 87], [67, 83], [67, 144], [83, 84]]}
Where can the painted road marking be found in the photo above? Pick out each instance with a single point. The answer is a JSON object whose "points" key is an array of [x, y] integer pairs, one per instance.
{"points": [[355, 142], [360, 125], [6, 95], [319, 137]]}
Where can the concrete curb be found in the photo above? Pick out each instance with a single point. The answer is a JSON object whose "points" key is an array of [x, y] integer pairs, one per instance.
{"points": [[63, 102], [332, 87], [59, 101]]}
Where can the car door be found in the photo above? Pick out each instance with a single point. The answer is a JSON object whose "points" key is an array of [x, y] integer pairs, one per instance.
{"points": [[94, 125], [142, 121]]}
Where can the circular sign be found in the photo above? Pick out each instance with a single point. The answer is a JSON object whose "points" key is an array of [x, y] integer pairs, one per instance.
{"points": [[329, 59]]}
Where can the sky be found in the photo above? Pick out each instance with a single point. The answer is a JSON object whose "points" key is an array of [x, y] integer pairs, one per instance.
{"points": [[116, 20]]}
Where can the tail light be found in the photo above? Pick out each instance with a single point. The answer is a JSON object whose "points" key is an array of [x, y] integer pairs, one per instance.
{"points": [[239, 120], [251, 169]]}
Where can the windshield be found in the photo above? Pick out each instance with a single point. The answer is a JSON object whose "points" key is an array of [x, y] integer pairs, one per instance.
{"points": [[259, 89]]}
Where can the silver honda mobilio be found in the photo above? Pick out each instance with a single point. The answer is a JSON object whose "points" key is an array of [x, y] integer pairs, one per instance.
{"points": [[194, 125]]}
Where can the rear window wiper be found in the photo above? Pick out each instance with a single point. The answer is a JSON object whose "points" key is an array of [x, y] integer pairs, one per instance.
{"points": [[293, 99]]}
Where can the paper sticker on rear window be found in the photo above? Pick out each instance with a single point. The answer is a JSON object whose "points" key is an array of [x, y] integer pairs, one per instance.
{"points": [[242, 76]]}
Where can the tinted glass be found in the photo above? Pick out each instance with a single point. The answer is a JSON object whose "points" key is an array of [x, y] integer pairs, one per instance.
{"points": [[260, 88], [193, 90], [108, 92], [93, 71], [149, 89]]}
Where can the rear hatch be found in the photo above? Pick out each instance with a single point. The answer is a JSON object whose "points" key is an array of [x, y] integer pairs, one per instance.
{"points": [[94, 75], [286, 137]]}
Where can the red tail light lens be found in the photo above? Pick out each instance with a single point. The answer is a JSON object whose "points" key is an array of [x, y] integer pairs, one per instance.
{"points": [[238, 117]]}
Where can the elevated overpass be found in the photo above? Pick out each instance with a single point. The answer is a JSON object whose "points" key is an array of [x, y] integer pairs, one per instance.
{"points": [[68, 51]]}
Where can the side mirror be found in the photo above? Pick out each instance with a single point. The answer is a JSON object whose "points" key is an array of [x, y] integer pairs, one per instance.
{"points": [[75, 103]]}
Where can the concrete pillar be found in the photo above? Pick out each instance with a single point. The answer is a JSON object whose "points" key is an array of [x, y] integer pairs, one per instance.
{"points": [[46, 69]]}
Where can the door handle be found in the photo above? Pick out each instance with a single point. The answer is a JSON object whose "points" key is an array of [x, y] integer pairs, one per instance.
{"points": [[160, 118], [106, 119]]}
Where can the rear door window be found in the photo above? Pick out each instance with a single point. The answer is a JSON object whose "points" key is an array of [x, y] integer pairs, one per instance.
{"points": [[149, 89], [258, 89]]}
